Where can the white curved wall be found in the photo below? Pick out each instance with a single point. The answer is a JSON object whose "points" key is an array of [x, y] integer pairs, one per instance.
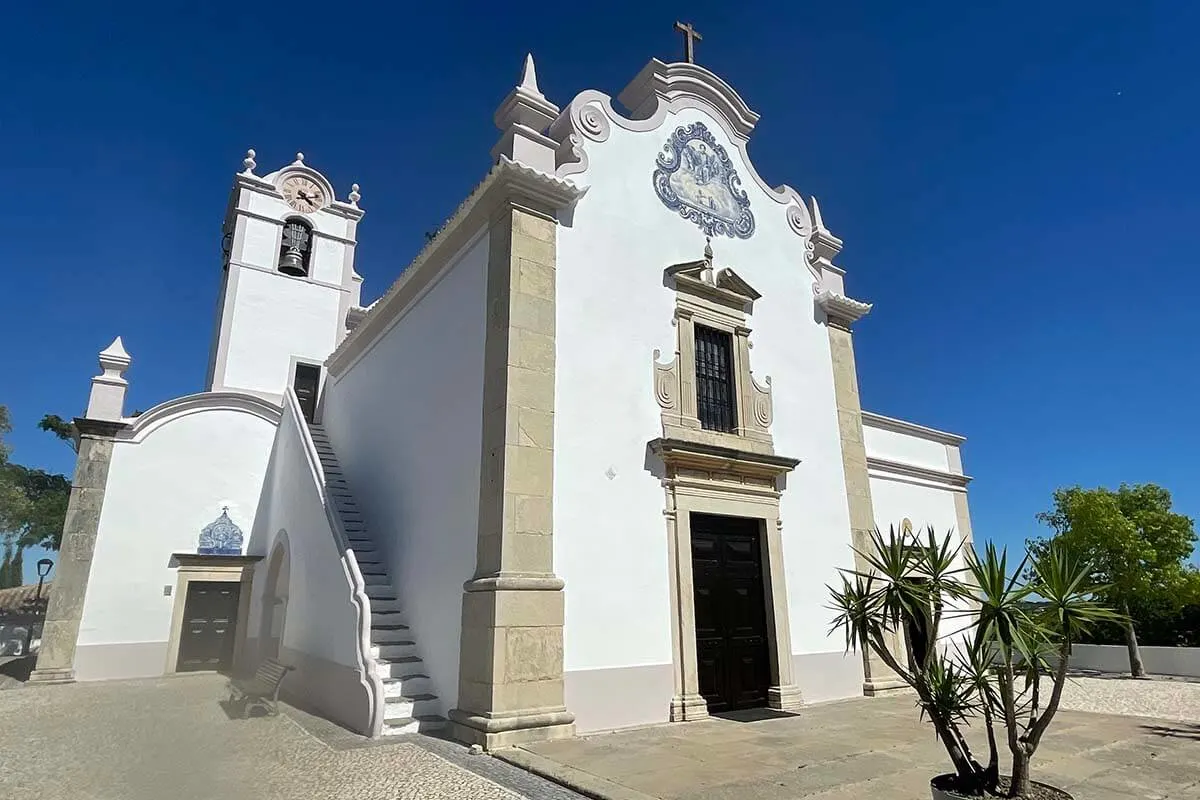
{"points": [[613, 310], [161, 492]]}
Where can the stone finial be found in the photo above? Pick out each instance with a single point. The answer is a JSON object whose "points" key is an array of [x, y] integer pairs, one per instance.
{"points": [[107, 400], [248, 163], [529, 77], [299, 160], [523, 118], [826, 246], [354, 194], [708, 251]]}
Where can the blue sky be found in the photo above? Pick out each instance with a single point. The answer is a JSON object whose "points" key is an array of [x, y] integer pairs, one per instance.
{"points": [[1015, 187]]}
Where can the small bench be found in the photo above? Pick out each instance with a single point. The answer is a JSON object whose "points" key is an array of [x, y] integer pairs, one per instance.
{"points": [[261, 690]]}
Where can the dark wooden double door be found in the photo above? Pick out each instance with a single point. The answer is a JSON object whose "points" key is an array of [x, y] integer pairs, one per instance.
{"points": [[731, 614], [210, 615]]}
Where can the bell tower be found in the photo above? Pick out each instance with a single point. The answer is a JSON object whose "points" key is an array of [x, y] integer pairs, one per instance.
{"points": [[289, 281]]}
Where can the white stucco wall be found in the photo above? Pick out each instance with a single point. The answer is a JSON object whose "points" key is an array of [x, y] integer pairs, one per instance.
{"points": [[321, 619], [1114, 658], [612, 312], [161, 492], [904, 448], [405, 420], [895, 500], [924, 502], [276, 317]]}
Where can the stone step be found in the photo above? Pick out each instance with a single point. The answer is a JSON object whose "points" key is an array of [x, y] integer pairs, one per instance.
{"points": [[410, 706], [376, 579], [389, 617], [392, 648], [383, 591], [385, 605], [396, 727], [399, 667], [411, 684]]}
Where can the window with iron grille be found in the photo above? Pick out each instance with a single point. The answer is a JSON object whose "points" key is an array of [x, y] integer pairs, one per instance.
{"points": [[714, 379]]}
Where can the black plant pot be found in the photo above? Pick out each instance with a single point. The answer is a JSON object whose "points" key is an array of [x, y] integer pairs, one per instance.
{"points": [[942, 788]]}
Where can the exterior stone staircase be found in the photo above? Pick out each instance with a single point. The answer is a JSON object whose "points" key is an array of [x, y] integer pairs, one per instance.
{"points": [[410, 705]]}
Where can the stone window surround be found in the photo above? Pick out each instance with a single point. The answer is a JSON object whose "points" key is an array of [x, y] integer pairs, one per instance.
{"points": [[721, 300], [215, 569], [703, 479]]}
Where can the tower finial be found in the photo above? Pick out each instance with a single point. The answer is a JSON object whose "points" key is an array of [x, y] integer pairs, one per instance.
{"points": [[354, 195], [248, 163], [299, 159]]}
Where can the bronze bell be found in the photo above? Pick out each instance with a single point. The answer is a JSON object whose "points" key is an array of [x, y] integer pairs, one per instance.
{"points": [[292, 263]]}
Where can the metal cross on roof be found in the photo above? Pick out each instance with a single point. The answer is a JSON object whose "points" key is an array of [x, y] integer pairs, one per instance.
{"points": [[690, 37]]}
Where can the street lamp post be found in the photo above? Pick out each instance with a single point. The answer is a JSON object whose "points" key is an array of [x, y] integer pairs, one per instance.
{"points": [[44, 566]]}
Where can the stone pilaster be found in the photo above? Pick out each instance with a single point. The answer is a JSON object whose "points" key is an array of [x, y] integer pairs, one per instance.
{"points": [[878, 678], [511, 663], [56, 658]]}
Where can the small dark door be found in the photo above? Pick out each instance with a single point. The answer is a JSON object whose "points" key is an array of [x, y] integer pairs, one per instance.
{"points": [[306, 384], [918, 634], [731, 612], [209, 626]]}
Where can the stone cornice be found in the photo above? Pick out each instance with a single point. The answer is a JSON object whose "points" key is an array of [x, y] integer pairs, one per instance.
{"points": [[873, 420], [207, 560], [949, 480], [678, 453], [841, 310], [99, 427], [508, 181]]}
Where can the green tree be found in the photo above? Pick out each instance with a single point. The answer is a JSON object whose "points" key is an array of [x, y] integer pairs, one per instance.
{"points": [[11, 568], [1136, 542], [13, 504], [62, 428], [44, 508]]}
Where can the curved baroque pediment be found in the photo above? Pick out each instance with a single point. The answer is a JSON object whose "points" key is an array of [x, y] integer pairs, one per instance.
{"points": [[659, 91]]}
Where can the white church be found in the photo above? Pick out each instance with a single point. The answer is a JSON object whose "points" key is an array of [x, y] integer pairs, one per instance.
{"points": [[589, 463]]}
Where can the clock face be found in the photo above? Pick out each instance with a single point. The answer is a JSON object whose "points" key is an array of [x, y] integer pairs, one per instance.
{"points": [[303, 194]]}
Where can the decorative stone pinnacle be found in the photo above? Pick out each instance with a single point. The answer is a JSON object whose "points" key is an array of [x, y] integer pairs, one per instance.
{"points": [[708, 251], [299, 159], [818, 223], [525, 104], [825, 246], [107, 399], [354, 195], [248, 163], [529, 77], [114, 360]]}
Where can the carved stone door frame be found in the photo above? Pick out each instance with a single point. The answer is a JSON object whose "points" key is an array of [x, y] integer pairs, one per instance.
{"points": [[703, 479]]}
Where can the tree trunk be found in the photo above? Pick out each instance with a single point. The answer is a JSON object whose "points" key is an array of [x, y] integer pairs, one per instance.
{"points": [[1020, 775], [1136, 668]]}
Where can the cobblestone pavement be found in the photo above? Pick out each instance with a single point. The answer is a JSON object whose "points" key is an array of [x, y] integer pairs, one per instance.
{"points": [[1165, 699], [171, 738]]}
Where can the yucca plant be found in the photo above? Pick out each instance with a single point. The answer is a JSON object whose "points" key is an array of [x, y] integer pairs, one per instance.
{"points": [[1002, 659]]}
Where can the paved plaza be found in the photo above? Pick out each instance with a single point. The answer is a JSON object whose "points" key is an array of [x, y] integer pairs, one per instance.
{"points": [[171, 738], [876, 748]]}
